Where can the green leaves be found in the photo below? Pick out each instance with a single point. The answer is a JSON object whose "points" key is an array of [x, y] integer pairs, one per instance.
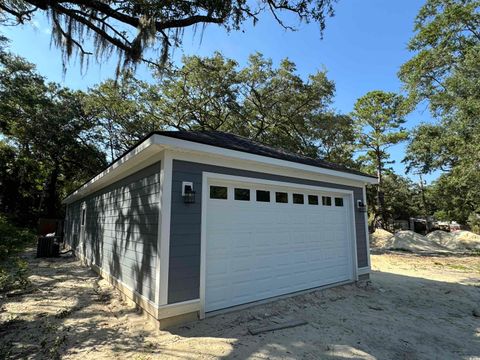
{"points": [[46, 147], [445, 71], [131, 28], [378, 117], [273, 105]]}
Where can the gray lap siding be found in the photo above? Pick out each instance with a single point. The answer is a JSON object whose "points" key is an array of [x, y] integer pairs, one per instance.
{"points": [[185, 226], [121, 229]]}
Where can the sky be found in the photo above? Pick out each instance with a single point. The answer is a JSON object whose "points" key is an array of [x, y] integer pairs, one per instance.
{"points": [[362, 49]]}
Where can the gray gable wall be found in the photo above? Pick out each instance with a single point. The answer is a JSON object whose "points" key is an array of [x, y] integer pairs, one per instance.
{"points": [[121, 229], [185, 226]]}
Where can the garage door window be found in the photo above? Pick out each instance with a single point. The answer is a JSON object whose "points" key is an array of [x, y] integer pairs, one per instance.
{"points": [[281, 197], [242, 194], [263, 196], [338, 201], [218, 192], [312, 199], [326, 201], [298, 199]]}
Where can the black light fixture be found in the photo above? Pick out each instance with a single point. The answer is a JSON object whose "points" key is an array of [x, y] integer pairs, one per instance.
{"points": [[187, 193], [362, 207]]}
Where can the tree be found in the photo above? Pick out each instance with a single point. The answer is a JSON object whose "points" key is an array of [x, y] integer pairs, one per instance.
{"points": [[445, 71], [201, 94], [269, 104], [280, 109], [131, 27], [403, 198], [336, 139], [45, 136], [378, 118], [121, 113]]}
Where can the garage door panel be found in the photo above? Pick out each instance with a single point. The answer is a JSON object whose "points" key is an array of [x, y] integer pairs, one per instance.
{"points": [[259, 250]]}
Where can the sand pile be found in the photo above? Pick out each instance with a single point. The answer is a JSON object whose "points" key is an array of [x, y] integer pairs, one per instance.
{"points": [[457, 240], [443, 238], [411, 241], [380, 238], [468, 239]]}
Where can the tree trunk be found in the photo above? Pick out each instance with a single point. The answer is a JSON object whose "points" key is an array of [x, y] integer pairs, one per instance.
{"points": [[424, 204], [51, 203], [380, 218]]}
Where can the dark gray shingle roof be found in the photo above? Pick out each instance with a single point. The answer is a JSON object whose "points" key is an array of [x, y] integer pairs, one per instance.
{"points": [[240, 143]]}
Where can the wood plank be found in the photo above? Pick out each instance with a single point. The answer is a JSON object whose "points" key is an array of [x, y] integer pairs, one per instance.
{"points": [[284, 325]]}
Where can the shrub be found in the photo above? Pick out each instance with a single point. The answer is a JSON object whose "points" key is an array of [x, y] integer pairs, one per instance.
{"points": [[474, 222], [13, 269], [13, 239]]}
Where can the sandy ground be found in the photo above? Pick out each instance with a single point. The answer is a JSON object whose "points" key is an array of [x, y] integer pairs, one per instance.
{"points": [[415, 307]]}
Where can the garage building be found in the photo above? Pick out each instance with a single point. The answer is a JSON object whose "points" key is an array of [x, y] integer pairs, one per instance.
{"points": [[191, 223]]}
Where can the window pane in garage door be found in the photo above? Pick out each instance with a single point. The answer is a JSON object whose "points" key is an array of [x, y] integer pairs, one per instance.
{"points": [[263, 196]]}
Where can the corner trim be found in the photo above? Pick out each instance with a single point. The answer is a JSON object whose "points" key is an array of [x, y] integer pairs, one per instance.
{"points": [[367, 235], [165, 214], [203, 244]]}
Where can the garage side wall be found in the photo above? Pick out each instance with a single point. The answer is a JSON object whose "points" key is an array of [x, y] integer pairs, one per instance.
{"points": [[121, 229], [185, 226], [72, 224]]}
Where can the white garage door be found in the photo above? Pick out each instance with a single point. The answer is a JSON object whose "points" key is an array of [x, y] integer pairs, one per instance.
{"points": [[263, 241]]}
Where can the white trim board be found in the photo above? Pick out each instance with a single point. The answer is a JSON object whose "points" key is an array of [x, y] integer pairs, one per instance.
{"points": [[367, 234], [236, 179], [203, 244], [275, 298], [123, 166], [164, 234], [90, 263], [265, 169], [364, 270], [208, 177], [128, 165], [181, 145], [163, 311], [180, 308]]}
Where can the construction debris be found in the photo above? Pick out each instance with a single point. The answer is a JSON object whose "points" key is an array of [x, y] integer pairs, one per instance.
{"points": [[380, 238], [437, 241], [457, 240], [279, 326]]}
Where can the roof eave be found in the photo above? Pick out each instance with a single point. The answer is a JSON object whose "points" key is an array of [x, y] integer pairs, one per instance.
{"points": [[156, 142], [143, 151], [182, 145]]}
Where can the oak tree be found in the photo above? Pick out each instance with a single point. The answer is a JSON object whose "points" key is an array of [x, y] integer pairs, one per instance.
{"points": [[130, 28]]}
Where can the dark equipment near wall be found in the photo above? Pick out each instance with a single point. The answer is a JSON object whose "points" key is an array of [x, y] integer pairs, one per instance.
{"points": [[50, 237], [47, 246]]}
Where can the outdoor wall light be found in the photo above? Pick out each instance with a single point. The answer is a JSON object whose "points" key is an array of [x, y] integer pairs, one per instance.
{"points": [[362, 207], [188, 194]]}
